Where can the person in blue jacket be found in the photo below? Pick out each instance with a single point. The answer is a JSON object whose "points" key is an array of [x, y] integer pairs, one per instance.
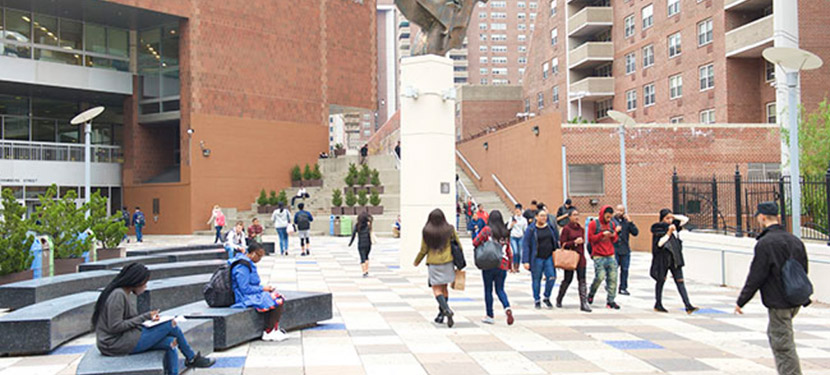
{"points": [[541, 239], [249, 292]]}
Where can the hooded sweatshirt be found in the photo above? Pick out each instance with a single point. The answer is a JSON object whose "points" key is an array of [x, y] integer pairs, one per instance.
{"points": [[600, 245]]}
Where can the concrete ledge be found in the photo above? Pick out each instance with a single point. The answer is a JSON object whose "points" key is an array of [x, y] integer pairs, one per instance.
{"points": [[42, 327], [181, 256], [172, 249], [169, 293], [29, 292], [168, 270]]}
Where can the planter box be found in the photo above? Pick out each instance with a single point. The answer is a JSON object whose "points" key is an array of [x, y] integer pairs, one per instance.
{"points": [[264, 209], [297, 184], [375, 210], [378, 188], [347, 189], [339, 152], [67, 266], [349, 210], [360, 209], [337, 210], [17, 276], [313, 183], [104, 254], [366, 188]]}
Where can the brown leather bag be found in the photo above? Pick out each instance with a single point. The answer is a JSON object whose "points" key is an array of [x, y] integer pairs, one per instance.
{"points": [[567, 260]]}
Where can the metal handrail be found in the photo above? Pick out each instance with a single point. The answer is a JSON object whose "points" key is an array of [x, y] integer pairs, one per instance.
{"points": [[504, 189], [46, 151], [467, 163], [397, 160], [467, 192]]}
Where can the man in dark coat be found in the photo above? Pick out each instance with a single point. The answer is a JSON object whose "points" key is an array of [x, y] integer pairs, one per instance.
{"points": [[775, 246], [622, 249]]}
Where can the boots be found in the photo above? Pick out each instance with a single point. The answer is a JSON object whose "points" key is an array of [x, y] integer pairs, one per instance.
{"points": [[440, 318], [563, 288], [583, 296], [445, 309]]}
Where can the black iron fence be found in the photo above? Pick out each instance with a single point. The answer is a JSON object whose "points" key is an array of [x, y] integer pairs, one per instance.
{"points": [[727, 204]]}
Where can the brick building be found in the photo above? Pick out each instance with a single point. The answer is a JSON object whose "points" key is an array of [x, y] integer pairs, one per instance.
{"points": [[207, 101]]}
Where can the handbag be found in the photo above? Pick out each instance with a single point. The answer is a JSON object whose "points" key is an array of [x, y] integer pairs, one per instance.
{"points": [[291, 228], [374, 238], [460, 280], [565, 259], [457, 255]]}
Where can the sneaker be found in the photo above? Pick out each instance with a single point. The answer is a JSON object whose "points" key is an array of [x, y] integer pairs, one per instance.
{"points": [[365, 275], [590, 300], [691, 310], [612, 305], [624, 292], [275, 336], [198, 361], [509, 314], [537, 305], [547, 303], [488, 320]]}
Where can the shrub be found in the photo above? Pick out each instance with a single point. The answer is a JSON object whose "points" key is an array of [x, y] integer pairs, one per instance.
{"points": [[362, 198], [307, 175], [273, 200], [374, 199], [336, 198], [296, 175], [109, 231], [365, 171], [315, 174], [349, 180], [361, 180], [282, 198], [375, 177], [351, 200], [15, 242], [62, 220], [262, 200], [353, 170]]}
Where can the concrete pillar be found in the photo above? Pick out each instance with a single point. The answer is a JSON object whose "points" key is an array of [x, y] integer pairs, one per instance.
{"points": [[427, 147], [785, 34]]}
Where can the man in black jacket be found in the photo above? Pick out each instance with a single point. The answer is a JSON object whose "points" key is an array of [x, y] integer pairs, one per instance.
{"points": [[622, 249], [775, 246]]}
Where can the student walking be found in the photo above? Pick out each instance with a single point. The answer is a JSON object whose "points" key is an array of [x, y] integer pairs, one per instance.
{"points": [[530, 212], [622, 249], [139, 222], [437, 239], [119, 330], [217, 220], [517, 227], [235, 243], [779, 258], [364, 153], [540, 241], [667, 255], [602, 233], [303, 219], [563, 213], [479, 220], [573, 239], [125, 217], [363, 231], [302, 194], [494, 278], [248, 291], [281, 218]]}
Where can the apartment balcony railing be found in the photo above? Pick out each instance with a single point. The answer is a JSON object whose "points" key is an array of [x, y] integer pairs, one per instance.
{"points": [[590, 20], [591, 54], [745, 5], [593, 88], [71, 152], [750, 40]]}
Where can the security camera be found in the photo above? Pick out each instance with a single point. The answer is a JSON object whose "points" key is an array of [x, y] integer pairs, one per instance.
{"points": [[190, 131]]}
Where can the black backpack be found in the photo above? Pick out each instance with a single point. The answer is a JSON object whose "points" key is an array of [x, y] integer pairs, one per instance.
{"points": [[218, 291], [302, 221], [488, 255], [797, 286]]}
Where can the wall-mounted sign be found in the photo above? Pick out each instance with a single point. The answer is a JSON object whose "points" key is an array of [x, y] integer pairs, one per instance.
{"points": [[445, 188]]}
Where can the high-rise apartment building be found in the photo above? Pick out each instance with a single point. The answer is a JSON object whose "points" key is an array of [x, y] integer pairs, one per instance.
{"points": [[498, 40], [670, 60]]}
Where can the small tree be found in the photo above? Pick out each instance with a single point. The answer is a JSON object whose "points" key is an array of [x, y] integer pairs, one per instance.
{"points": [[307, 174], [365, 172], [374, 199], [282, 198], [351, 199], [353, 170], [262, 200], [336, 198], [63, 221], [362, 198], [316, 173], [361, 179], [273, 200], [15, 242], [375, 177], [296, 175], [349, 180], [108, 231]]}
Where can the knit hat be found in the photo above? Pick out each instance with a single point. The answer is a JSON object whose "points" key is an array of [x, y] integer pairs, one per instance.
{"points": [[664, 212]]}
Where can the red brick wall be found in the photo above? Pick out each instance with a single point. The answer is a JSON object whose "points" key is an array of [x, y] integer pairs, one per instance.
{"points": [[541, 51], [813, 18], [477, 115]]}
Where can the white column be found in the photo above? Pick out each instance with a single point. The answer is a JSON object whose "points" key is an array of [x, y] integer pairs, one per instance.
{"points": [[427, 147], [785, 34]]}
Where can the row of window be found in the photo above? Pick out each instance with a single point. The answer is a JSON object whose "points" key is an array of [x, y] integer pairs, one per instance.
{"points": [[553, 66], [503, 16], [503, 4], [500, 37], [706, 75], [503, 26], [500, 49]]}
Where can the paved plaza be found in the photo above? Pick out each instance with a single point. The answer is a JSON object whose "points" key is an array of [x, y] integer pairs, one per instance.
{"points": [[383, 325]]}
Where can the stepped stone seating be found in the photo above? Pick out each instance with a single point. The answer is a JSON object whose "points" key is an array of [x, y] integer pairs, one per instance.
{"points": [[181, 256], [167, 270], [232, 327], [199, 334], [16, 295], [168, 293], [42, 327], [172, 249]]}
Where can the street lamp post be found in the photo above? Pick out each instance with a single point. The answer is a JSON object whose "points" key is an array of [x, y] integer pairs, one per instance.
{"points": [[793, 60], [85, 118], [624, 120]]}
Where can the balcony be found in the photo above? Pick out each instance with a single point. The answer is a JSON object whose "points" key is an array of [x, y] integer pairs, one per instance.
{"points": [[590, 21], [591, 54], [594, 88], [748, 41], [746, 5]]}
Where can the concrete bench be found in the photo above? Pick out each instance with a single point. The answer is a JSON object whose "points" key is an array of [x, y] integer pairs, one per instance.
{"points": [[168, 270], [21, 294], [199, 334], [42, 327], [172, 249], [232, 327], [181, 256], [163, 294]]}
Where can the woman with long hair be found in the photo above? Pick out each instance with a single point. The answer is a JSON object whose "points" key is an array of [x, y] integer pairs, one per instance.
{"points": [[282, 219], [573, 239], [217, 220], [494, 278], [436, 245], [118, 325], [667, 255], [363, 231]]}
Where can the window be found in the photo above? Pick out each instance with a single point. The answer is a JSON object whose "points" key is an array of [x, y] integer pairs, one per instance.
{"points": [[552, 8], [554, 36], [499, 60], [522, 49], [676, 120], [483, 81], [554, 65], [498, 37], [482, 48], [482, 60], [556, 94], [630, 27], [674, 7], [527, 105], [707, 116], [522, 60], [648, 95], [772, 115], [499, 71], [521, 27], [522, 17], [630, 63], [585, 180], [522, 37], [520, 4], [603, 107], [533, 5], [540, 100], [482, 37], [704, 32], [674, 45], [498, 4], [482, 15], [707, 77], [499, 48], [498, 15], [648, 16], [498, 26], [648, 56], [676, 86], [482, 26], [483, 71], [500, 82], [769, 71], [603, 70], [631, 100], [763, 171], [545, 68]]}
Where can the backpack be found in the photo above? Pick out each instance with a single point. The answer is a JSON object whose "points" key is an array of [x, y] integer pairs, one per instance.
{"points": [[302, 221], [218, 291], [596, 231], [797, 286], [488, 255], [139, 220]]}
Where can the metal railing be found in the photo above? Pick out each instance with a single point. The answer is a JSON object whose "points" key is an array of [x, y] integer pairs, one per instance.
{"points": [[504, 189], [467, 163], [44, 151], [397, 160]]}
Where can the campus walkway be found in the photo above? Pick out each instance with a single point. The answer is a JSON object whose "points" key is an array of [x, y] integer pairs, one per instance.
{"points": [[383, 325]]}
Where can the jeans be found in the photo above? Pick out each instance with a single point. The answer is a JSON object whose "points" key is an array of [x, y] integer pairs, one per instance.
{"points": [[283, 234], [494, 277], [138, 235], [218, 238], [624, 262], [161, 337], [516, 246], [780, 334], [540, 267], [605, 268], [231, 251]]}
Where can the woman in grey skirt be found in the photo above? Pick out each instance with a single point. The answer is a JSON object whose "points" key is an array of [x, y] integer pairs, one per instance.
{"points": [[436, 246]]}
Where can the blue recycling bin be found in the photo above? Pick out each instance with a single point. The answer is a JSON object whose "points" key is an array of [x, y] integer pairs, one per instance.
{"points": [[37, 262], [331, 225]]}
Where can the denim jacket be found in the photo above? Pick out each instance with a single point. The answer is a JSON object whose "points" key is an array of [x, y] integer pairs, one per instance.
{"points": [[531, 242]]}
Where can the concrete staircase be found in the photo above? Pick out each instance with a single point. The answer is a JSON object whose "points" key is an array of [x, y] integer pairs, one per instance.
{"points": [[489, 199]]}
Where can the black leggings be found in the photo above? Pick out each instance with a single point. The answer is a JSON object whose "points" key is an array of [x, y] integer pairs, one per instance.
{"points": [[677, 275], [272, 317], [364, 254], [569, 276]]}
